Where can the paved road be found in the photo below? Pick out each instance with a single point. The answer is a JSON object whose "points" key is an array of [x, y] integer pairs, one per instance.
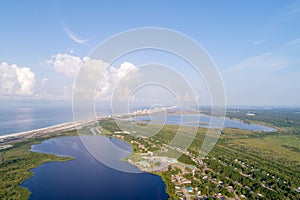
{"points": [[186, 193]]}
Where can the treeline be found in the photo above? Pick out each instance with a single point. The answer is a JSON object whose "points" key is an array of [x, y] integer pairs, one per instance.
{"points": [[281, 117]]}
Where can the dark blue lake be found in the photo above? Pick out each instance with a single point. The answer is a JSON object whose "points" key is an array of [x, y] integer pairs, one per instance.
{"points": [[87, 178]]}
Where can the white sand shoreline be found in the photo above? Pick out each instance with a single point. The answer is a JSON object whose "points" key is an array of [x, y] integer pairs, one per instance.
{"points": [[34, 130], [47, 131]]}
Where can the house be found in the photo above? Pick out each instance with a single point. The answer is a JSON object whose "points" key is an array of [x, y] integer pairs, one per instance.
{"points": [[177, 187], [185, 181], [189, 188]]}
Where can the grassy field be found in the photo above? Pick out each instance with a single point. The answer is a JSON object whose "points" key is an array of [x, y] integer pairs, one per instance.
{"points": [[280, 148]]}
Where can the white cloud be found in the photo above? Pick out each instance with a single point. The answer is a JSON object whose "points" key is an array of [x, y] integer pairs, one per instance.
{"points": [[116, 82], [267, 79], [26, 79], [259, 42], [66, 64], [111, 78], [16, 80], [293, 42], [69, 65], [43, 82], [74, 37], [264, 62]]}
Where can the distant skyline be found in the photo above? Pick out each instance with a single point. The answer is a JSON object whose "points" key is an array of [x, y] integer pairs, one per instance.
{"points": [[255, 45]]}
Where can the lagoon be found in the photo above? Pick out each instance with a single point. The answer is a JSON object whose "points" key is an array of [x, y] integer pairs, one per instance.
{"points": [[194, 120], [87, 178]]}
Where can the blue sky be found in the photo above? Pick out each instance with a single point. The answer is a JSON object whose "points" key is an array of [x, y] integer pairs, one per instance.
{"points": [[255, 44]]}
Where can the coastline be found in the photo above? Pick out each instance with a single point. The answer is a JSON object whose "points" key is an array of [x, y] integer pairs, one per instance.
{"points": [[44, 132], [67, 126], [36, 130]]}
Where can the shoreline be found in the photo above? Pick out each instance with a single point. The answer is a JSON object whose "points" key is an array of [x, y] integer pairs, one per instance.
{"points": [[66, 158], [123, 159], [43, 132], [35, 130], [68, 126]]}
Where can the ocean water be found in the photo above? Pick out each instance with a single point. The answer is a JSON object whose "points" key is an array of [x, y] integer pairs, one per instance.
{"points": [[18, 118]]}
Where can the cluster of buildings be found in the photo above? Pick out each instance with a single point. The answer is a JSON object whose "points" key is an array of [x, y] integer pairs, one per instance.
{"points": [[154, 110]]}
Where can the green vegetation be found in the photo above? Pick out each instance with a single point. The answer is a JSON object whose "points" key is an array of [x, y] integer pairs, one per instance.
{"points": [[186, 159], [254, 164], [279, 117], [243, 163], [166, 177], [15, 165]]}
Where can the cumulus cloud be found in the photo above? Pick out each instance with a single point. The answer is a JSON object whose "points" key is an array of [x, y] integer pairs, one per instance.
{"points": [[69, 65], [16, 80], [66, 64], [111, 78]]}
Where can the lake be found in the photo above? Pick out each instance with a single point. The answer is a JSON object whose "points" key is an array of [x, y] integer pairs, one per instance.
{"points": [[87, 178], [194, 120]]}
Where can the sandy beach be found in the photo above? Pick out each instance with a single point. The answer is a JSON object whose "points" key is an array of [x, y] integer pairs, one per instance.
{"points": [[42, 132]]}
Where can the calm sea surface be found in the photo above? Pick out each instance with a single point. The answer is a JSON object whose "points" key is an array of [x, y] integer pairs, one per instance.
{"points": [[19, 119], [26, 118]]}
